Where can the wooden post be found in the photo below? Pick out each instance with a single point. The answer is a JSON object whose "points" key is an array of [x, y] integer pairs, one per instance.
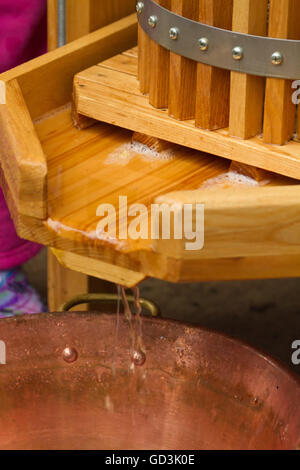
{"points": [[103, 12], [183, 71], [213, 84], [159, 70], [279, 117], [144, 60], [64, 283], [52, 13], [247, 91], [85, 16]]}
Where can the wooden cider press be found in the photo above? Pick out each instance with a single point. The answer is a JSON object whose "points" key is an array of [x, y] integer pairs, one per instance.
{"points": [[208, 79]]}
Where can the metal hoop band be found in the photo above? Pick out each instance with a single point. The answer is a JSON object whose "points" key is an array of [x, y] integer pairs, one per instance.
{"points": [[254, 55]]}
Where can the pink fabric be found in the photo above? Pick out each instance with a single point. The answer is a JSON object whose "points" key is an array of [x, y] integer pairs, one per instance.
{"points": [[22, 31], [23, 36]]}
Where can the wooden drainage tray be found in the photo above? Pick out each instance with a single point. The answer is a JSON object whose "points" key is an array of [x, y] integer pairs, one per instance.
{"points": [[110, 92], [54, 176]]}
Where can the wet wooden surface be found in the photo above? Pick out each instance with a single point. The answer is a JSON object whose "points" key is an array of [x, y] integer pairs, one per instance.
{"points": [[100, 164], [97, 165]]}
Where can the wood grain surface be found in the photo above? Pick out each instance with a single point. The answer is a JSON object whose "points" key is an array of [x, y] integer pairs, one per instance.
{"points": [[112, 95]]}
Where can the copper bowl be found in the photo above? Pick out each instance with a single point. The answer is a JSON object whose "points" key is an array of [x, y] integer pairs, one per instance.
{"points": [[69, 384]]}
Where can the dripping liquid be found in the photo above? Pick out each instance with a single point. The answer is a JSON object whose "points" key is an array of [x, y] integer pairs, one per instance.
{"points": [[117, 326], [134, 319]]}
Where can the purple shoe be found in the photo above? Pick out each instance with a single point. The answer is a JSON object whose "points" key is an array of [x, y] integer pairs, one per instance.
{"points": [[17, 297]]}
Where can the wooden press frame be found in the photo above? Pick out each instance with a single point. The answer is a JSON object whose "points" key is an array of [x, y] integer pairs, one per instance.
{"points": [[32, 91]]}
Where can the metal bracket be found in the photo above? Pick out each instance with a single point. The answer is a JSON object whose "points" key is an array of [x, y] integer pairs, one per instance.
{"points": [[61, 23], [254, 55]]}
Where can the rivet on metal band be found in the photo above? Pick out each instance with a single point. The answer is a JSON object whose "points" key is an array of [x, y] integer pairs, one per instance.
{"points": [[174, 33], [139, 7], [203, 44], [277, 58], [258, 55], [152, 21], [237, 53]]}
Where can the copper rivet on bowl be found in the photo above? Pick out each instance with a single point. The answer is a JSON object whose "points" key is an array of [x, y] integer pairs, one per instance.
{"points": [[70, 355]]}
